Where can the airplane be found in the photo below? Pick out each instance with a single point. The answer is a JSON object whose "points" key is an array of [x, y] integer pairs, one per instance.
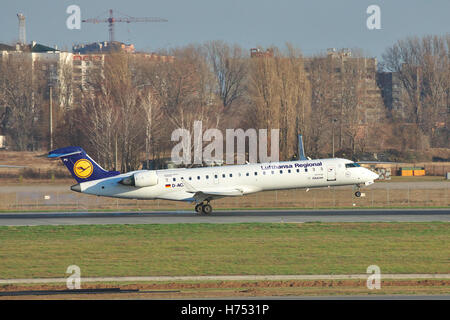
{"points": [[202, 185]]}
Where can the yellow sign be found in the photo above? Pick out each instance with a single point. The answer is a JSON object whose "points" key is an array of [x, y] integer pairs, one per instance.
{"points": [[83, 168]]}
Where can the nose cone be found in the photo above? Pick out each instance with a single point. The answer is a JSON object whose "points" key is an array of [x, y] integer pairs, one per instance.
{"points": [[76, 188], [374, 175]]}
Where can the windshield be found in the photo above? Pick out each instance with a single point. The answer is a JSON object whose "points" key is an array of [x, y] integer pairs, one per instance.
{"points": [[352, 165]]}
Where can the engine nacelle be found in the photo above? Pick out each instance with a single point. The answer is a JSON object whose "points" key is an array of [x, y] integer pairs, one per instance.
{"points": [[141, 179]]}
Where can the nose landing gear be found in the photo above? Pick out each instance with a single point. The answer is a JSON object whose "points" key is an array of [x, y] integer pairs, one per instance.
{"points": [[203, 208], [358, 190]]}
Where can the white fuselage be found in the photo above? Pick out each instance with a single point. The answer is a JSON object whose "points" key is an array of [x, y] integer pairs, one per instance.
{"points": [[177, 184]]}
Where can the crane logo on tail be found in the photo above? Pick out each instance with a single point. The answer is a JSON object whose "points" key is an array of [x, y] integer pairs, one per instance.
{"points": [[83, 168]]}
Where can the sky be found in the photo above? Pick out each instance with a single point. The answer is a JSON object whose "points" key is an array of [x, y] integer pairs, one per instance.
{"points": [[313, 25]]}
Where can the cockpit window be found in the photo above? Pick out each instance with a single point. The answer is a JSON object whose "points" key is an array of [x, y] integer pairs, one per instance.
{"points": [[352, 165]]}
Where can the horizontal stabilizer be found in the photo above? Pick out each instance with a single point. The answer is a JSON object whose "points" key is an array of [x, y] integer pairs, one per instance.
{"points": [[60, 155]]}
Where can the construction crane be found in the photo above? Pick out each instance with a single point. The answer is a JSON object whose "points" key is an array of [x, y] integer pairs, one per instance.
{"points": [[22, 30], [112, 20]]}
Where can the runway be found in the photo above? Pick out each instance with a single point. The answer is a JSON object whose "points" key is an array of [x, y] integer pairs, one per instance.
{"points": [[241, 216]]}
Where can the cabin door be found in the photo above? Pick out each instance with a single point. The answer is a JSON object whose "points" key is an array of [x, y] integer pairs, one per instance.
{"points": [[331, 173]]}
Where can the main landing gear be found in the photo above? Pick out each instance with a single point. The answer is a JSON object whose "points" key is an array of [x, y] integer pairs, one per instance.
{"points": [[204, 208]]}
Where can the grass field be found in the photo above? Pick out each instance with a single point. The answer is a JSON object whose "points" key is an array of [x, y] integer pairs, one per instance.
{"points": [[225, 249]]}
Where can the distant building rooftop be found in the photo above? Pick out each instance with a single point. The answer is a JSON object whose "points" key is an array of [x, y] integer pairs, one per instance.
{"points": [[5, 47], [36, 47], [32, 47], [103, 47]]}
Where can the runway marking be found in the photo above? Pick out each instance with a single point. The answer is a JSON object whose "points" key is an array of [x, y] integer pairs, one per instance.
{"points": [[228, 278]]}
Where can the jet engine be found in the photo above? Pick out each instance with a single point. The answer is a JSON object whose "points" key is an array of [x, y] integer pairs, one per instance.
{"points": [[141, 179]]}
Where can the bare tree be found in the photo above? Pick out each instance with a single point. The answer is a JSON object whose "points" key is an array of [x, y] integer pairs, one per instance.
{"points": [[22, 87], [279, 91], [423, 68], [230, 70], [323, 92]]}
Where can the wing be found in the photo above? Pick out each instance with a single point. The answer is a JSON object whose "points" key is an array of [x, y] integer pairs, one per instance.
{"points": [[212, 193]]}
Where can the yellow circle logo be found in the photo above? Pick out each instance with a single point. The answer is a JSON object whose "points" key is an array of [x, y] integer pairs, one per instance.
{"points": [[83, 168]]}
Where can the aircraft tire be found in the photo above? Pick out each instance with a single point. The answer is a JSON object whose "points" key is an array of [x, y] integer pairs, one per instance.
{"points": [[198, 208], [206, 209], [358, 194]]}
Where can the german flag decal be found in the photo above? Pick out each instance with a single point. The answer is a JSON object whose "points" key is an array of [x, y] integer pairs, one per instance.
{"points": [[167, 185]]}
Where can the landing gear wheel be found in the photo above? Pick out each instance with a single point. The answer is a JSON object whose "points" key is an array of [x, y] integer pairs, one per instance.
{"points": [[198, 208], [206, 209], [358, 194]]}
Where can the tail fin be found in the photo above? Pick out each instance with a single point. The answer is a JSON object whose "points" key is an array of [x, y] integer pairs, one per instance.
{"points": [[80, 165]]}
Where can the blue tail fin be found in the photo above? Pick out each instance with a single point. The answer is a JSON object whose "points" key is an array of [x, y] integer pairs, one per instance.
{"points": [[80, 165]]}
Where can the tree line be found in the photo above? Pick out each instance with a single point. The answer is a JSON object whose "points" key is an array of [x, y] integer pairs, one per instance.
{"points": [[127, 109]]}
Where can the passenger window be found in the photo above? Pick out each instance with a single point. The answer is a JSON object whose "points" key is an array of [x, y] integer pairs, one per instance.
{"points": [[247, 174], [198, 177], [215, 176], [306, 169], [190, 178], [289, 170], [298, 170], [223, 175], [273, 172], [231, 175], [281, 171], [207, 177], [264, 173], [174, 179], [256, 173]]}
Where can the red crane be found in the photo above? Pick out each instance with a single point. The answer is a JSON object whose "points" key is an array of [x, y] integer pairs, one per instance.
{"points": [[112, 20]]}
